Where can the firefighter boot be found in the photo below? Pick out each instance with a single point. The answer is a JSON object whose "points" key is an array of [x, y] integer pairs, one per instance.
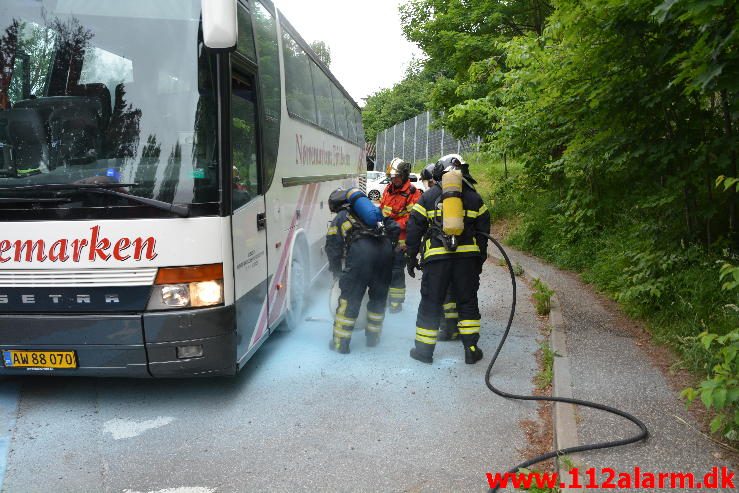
{"points": [[340, 345], [472, 354], [419, 355], [395, 307], [372, 339], [469, 331], [425, 344]]}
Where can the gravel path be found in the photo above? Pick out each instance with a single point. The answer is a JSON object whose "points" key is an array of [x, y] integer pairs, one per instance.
{"points": [[613, 362]]}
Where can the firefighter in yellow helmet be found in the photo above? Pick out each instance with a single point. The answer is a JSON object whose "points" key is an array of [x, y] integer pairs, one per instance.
{"points": [[396, 203], [452, 256]]}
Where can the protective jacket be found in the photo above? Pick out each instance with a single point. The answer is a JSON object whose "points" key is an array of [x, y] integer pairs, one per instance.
{"points": [[396, 203], [425, 230], [346, 230]]}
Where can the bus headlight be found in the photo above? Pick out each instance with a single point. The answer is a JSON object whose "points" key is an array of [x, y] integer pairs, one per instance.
{"points": [[206, 293], [176, 295], [187, 287]]}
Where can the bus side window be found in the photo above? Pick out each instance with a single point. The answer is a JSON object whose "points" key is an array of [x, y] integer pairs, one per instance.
{"points": [[244, 137], [265, 30], [245, 43]]}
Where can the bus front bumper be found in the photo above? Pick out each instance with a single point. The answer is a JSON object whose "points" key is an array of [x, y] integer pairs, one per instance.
{"points": [[134, 346]]}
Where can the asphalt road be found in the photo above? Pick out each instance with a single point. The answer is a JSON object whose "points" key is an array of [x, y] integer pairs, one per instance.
{"points": [[298, 418]]}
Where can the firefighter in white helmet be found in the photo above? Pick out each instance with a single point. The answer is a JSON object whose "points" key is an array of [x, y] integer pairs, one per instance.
{"points": [[397, 201], [449, 217]]}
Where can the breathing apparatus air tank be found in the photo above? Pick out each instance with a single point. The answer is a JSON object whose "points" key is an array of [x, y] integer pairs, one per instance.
{"points": [[363, 208], [452, 206]]}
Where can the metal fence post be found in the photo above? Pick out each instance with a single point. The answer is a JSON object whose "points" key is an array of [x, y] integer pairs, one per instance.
{"points": [[442, 141], [394, 128], [384, 151], [415, 137], [403, 151], [428, 127]]}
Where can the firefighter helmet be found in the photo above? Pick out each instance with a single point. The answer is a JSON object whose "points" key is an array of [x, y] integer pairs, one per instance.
{"points": [[337, 200], [448, 163], [428, 172], [398, 167]]}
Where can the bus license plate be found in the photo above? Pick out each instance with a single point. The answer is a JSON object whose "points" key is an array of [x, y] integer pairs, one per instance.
{"points": [[40, 359]]}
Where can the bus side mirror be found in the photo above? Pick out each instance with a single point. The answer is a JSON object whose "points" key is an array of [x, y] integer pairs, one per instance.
{"points": [[220, 24]]}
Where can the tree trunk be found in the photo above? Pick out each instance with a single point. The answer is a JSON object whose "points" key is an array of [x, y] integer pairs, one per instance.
{"points": [[709, 189], [688, 215], [728, 130]]}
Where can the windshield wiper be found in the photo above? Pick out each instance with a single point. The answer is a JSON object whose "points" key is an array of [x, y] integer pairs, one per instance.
{"points": [[105, 189], [65, 186], [19, 200]]}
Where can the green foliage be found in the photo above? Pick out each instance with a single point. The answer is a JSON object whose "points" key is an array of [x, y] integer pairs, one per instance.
{"points": [[624, 117], [464, 43], [546, 374], [323, 50], [728, 183], [543, 297], [405, 100], [720, 390]]}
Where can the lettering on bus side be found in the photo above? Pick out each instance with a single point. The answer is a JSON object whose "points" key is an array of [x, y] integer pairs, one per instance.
{"points": [[95, 248], [312, 155]]}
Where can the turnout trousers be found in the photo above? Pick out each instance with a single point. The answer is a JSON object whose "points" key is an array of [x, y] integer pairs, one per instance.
{"points": [[397, 285], [444, 280], [368, 267], [448, 330]]}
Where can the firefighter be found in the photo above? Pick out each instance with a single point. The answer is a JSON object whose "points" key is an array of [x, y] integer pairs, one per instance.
{"points": [[366, 247], [448, 329], [450, 261], [396, 203]]}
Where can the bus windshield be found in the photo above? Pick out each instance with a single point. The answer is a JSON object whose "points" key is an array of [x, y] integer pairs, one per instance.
{"points": [[105, 92]]}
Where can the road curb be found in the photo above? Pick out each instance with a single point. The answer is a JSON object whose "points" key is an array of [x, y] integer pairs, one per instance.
{"points": [[565, 433]]}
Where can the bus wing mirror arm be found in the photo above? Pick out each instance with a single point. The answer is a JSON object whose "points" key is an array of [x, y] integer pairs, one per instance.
{"points": [[220, 24]]}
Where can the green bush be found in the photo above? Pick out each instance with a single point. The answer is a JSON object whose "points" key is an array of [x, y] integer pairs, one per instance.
{"points": [[543, 297], [719, 391], [644, 265]]}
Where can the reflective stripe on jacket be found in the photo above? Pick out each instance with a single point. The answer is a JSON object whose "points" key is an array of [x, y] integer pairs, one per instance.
{"points": [[421, 229]]}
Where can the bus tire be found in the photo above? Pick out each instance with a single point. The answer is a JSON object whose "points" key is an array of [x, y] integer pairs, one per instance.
{"points": [[297, 284]]}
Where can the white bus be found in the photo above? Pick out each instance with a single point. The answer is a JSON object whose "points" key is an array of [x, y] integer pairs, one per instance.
{"points": [[162, 198]]}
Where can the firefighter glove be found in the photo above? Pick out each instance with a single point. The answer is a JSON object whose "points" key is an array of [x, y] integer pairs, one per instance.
{"points": [[412, 264]]}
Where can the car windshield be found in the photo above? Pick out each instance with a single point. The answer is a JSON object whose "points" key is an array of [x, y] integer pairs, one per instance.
{"points": [[105, 92]]}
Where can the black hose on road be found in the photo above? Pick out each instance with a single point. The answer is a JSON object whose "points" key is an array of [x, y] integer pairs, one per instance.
{"points": [[643, 431]]}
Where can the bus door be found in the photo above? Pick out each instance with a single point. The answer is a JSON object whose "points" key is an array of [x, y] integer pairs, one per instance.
{"points": [[249, 220]]}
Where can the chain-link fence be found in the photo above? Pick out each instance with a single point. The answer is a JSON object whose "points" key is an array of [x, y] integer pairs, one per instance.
{"points": [[416, 141]]}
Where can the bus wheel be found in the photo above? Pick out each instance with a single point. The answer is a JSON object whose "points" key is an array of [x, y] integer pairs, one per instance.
{"points": [[296, 297]]}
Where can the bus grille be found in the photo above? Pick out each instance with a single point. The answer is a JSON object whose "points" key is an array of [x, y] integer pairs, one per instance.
{"points": [[77, 278]]}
